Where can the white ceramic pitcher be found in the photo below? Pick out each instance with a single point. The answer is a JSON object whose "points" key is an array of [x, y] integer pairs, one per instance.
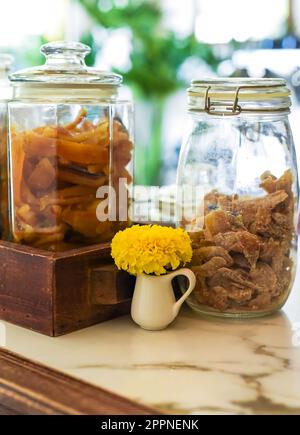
{"points": [[154, 305]]}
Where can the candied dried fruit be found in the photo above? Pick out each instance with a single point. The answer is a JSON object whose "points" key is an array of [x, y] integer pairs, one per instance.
{"points": [[264, 277], [271, 184], [210, 267], [242, 255], [258, 211], [220, 221], [242, 242], [240, 295], [229, 277], [56, 171], [216, 297], [216, 222], [205, 253], [240, 261]]}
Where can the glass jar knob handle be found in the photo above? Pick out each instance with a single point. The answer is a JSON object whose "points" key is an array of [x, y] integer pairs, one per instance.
{"points": [[65, 52]]}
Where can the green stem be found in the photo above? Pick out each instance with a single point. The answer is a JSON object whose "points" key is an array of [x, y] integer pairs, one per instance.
{"points": [[154, 152], [148, 159]]}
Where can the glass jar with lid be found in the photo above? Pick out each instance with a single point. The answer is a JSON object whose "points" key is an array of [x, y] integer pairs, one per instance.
{"points": [[6, 61], [71, 151], [238, 159]]}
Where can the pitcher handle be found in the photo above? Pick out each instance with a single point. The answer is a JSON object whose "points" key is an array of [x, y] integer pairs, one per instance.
{"points": [[192, 282]]}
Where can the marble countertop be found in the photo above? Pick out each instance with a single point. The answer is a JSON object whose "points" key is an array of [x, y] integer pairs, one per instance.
{"points": [[196, 366]]}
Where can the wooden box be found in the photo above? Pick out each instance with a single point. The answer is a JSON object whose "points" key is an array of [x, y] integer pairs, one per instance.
{"points": [[56, 293]]}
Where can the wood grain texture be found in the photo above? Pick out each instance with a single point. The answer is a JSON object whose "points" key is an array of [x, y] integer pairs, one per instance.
{"points": [[81, 296], [57, 293], [26, 296], [29, 388]]}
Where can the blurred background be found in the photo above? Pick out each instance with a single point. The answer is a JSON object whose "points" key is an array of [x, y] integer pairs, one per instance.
{"points": [[159, 46]]}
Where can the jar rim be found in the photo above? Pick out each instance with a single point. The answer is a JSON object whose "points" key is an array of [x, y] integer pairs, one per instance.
{"points": [[231, 96], [239, 81]]}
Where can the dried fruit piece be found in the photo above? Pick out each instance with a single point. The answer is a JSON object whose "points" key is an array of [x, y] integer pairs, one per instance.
{"points": [[242, 242], [79, 118], [81, 177], [263, 277], [82, 153], [217, 297], [240, 295], [240, 261], [38, 146], [26, 214], [238, 276], [260, 301], [199, 240], [210, 267], [216, 222], [218, 201], [42, 176], [254, 211], [205, 253], [268, 182], [271, 184]]}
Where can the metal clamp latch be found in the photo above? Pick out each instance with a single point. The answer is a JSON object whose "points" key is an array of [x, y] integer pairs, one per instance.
{"points": [[235, 109]]}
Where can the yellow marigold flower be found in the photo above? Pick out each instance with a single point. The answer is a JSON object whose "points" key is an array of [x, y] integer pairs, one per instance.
{"points": [[151, 249]]}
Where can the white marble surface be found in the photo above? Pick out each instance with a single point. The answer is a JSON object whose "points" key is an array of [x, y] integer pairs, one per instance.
{"points": [[196, 366]]}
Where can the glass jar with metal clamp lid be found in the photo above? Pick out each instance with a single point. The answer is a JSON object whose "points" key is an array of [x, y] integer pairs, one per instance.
{"points": [[238, 161]]}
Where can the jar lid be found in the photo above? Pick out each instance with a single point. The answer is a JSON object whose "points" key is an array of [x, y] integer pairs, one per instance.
{"points": [[65, 65], [232, 96]]}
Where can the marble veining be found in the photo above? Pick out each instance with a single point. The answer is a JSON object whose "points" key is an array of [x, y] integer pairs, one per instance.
{"points": [[197, 366]]}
